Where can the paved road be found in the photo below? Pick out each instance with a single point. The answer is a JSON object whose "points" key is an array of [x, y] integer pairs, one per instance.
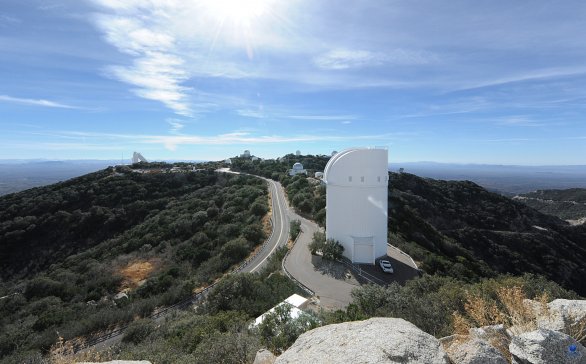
{"points": [[332, 293], [280, 233]]}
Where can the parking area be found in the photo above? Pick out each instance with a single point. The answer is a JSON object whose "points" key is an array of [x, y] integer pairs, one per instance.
{"points": [[403, 267]]}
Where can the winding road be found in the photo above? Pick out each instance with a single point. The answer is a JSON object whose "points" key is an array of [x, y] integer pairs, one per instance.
{"points": [[280, 227]]}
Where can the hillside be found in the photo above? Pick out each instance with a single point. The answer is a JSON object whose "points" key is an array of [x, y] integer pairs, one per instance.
{"points": [[68, 249], [567, 204], [461, 230]]}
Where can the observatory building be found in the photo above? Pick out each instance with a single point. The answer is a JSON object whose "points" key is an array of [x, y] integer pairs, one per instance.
{"points": [[297, 169], [137, 157], [356, 202]]}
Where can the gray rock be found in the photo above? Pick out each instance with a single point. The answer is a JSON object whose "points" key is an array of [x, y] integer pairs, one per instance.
{"points": [[488, 332], [563, 313], [263, 356], [474, 351], [545, 347], [119, 362], [377, 340]]}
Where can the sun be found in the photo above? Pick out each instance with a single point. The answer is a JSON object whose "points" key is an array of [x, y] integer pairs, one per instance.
{"points": [[237, 11]]}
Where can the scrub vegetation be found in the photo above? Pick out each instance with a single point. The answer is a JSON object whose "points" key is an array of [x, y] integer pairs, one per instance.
{"points": [[70, 248], [92, 253]]}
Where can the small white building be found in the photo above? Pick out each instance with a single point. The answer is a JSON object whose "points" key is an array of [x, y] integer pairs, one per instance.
{"points": [[319, 175], [356, 202], [246, 154], [228, 161], [296, 302], [298, 153], [297, 169]]}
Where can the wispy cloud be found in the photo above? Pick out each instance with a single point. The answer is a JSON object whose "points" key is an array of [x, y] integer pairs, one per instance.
{"points": [[324, 117], [519, 120], [7, 20], [535, 75], [176, 125], [157, 71], [35, 102], [340, 59], [236, 137], [252, 113]]}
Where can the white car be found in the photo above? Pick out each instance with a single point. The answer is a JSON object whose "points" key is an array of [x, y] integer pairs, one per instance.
{"points": [[386, 266]]}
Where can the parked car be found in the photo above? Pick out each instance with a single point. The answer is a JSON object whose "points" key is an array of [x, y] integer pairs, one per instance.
{"points": [[386, 266]]}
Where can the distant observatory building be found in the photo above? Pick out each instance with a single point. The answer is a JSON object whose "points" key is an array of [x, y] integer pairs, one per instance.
{"points": [[297, 169], [356, 202], [246, 154], [137, 157]]}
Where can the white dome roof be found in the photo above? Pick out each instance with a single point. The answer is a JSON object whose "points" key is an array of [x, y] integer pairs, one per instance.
{"points": [[298, 166]]}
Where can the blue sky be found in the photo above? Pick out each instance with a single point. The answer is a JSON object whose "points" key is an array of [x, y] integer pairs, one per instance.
{"points": [[448, 81]]}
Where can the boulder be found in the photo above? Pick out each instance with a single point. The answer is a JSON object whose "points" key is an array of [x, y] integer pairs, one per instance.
{"points": [[544, 346], [263, 356], [474, 351], [119, 362], [563, 313], [377, 340]]}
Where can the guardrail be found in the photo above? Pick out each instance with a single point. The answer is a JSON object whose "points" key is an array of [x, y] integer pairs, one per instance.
{"points": [[77, 347], [369, 277], [301, 285]]}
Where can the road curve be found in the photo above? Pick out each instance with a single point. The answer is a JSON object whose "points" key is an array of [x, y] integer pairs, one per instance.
{"points": [[280, 228], [332, 293]]}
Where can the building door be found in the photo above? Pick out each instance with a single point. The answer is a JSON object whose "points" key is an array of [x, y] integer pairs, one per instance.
{"points": [[363, 250]]}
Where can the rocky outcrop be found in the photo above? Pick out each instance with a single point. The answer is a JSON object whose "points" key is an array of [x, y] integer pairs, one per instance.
{"points": [[377, 340], [120, 362], [263, 356], [546, 346], [563, 313], [474, 351]]}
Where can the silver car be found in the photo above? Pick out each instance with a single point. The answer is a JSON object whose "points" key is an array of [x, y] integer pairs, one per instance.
{"points": [[386, 266]]}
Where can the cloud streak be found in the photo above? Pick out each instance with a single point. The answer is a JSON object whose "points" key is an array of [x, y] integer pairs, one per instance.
{"points": [[35, 102], [156, 72], [341, 59]]}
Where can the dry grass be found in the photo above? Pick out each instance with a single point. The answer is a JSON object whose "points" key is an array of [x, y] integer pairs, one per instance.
{"points": [[63, 353], [510, 308], [136, 272], [576, 328]]}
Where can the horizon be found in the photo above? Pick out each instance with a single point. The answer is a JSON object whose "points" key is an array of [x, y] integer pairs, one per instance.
{"points": [[179, 160], [457, 83]]}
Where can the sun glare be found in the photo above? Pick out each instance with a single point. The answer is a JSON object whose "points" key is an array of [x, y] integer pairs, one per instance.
{"points": [[237, 11]]}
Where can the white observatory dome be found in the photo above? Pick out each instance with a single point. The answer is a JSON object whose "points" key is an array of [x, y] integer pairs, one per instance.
{"points": [[297, 166]]}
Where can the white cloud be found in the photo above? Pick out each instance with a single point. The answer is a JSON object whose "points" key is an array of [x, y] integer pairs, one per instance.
{"points": [[171, 142], [323, 117], [35, 102], [176, 125], [157, 71], [519, 120], [340, 59]]}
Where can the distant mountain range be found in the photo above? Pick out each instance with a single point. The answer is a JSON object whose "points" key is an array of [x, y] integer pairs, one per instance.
{"points": [[21, 174], [509, 180]]}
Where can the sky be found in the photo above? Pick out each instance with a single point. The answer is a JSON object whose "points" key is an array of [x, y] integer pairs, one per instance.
{"points": [[484, 81]]}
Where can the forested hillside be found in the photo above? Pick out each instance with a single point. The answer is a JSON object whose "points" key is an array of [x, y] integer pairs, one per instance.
{"points": [[67, 249], [461, 230], [567, 204]]}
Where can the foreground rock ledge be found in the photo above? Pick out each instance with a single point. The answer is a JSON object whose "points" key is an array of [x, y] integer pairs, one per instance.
{"points": [[377, 340]]}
